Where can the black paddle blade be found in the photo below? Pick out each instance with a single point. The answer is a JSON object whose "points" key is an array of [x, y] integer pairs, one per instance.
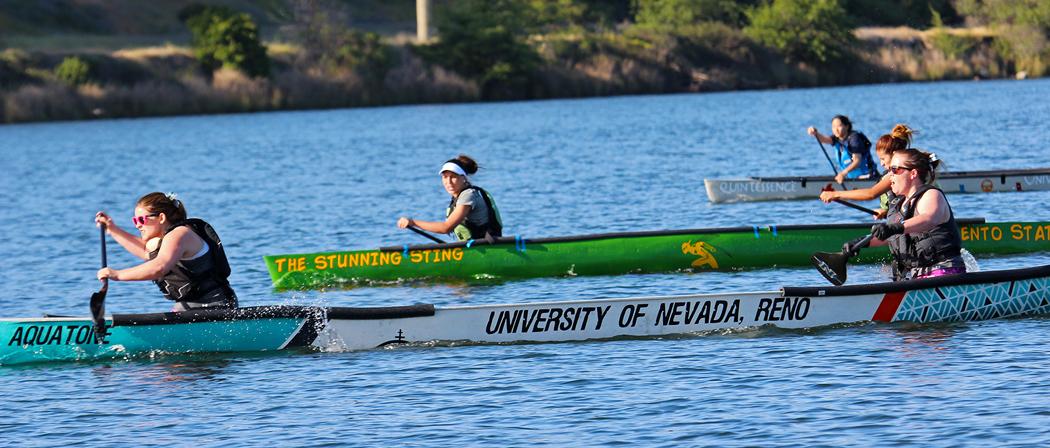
{"points": [[98, 312], [832, 266], [98, 299]]}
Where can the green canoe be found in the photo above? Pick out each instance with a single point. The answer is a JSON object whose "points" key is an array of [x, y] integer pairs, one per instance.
{"points": [[620, 253]]}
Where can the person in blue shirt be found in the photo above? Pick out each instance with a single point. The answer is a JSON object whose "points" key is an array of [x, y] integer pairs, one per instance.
{"points": [[854, 149]]}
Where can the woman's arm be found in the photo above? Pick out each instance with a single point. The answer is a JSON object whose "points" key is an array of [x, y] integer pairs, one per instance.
{"points": [[931, 211], [132, 243], [823, 139], [454, 219], [865, 194], [176, 243]]}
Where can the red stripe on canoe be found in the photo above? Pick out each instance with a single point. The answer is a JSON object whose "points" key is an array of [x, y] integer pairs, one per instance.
{"points": [[888, 307]]}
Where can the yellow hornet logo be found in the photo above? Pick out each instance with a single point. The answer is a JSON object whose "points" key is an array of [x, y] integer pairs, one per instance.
{"points": [[703, 250]]}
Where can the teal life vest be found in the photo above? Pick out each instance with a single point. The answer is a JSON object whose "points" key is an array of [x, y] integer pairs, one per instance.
{"points": [[469, 230], [867, 165]]}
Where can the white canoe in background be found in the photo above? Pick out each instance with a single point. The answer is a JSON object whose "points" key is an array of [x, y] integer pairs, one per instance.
{"points": [[781, 188], [964, 297]]}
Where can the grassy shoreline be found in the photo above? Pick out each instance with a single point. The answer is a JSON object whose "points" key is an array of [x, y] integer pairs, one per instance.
{"points": [[167, 80]]}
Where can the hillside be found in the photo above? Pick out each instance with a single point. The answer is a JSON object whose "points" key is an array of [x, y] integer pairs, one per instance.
{"points": [[82, 59], [88, 25]]}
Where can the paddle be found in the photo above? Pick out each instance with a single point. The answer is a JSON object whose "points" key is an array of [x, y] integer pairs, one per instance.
{"points": [[833, 265], [852, 205], [432, 237], [98, 299], [836, 170]]}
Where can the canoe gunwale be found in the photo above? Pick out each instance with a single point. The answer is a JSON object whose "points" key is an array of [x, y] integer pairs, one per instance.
{"points": [[273, 312], [942, 175], [960, 221], [221, 315], [970, 278], [377, 313], [568, 239], [507, 240]]}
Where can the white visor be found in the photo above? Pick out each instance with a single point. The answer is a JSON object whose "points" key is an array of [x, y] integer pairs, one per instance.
{"points": [[449, 166]]}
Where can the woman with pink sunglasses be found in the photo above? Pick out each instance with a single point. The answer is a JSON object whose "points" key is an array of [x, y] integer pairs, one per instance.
{"points": [[920, 227], [184, 257]]}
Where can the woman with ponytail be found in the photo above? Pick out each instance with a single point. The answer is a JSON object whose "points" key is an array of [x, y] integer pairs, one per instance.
{"points": [[471, 214], [920, 227], [899, 138], [184, 257]]}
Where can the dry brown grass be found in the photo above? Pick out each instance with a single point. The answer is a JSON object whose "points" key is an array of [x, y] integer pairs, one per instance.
{"points": [[153, 52], [905, 33]]}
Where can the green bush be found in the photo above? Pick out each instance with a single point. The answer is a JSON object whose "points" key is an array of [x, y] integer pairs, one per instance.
{"points": [[550, 14], [224, 38], [951, 45], [1023, 28], [327, 42], [483, 40], [681, 13], [363, 52], [910, 13], [812, 31], [73, 71]]}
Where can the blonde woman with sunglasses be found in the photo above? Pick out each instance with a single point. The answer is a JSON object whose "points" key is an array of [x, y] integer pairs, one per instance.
{"points": [[184, 257], [920, 227]]}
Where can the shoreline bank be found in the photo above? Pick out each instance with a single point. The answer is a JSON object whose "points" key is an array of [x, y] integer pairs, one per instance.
{"points": [[168, 81]]}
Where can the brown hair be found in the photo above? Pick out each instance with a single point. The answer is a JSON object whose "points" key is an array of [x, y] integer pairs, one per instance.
{"points": [[469, 165], [923, 162], [899, 138], [158, 202]]}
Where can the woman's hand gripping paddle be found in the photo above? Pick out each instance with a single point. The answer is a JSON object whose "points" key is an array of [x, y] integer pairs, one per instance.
{"points": [[98, 299], [432, 237], [833, 265]]}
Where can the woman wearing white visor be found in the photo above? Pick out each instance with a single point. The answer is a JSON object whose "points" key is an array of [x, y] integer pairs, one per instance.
{"points": [[472, 214]]}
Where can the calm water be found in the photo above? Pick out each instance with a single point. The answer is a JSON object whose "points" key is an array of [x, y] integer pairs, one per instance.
{"points": [[312, 181]]}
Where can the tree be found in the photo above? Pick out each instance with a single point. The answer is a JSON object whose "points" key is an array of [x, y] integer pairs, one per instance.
{"points": [[73, 71], [483, 39], [1023, 26], [327, 41], [681, 13], [222, 37], [812, 31]]}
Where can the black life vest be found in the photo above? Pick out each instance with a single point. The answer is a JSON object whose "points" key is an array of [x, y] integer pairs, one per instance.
{"points": [[467, 229], [917, 250], [198, 280]]}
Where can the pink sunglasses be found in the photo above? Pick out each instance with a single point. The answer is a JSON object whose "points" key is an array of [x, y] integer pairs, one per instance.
{"points": [[141, 220]]}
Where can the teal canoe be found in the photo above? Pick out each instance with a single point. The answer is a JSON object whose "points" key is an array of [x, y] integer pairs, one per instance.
{"points": [[250, 329], [619, 253]]}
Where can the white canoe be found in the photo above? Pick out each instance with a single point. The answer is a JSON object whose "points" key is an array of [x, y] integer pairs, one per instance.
{"points": [[781, 188], [974, 296]]}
